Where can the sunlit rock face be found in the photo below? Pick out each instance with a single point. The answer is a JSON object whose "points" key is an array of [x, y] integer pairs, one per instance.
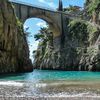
{"points": [[80, 49], [14, 51]]}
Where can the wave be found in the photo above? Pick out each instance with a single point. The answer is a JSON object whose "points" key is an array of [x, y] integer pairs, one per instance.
{"points": [[11, 83]]}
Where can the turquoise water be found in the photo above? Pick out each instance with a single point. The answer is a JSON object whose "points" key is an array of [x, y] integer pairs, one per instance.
{"points": [[53, 83], [53, 75]]}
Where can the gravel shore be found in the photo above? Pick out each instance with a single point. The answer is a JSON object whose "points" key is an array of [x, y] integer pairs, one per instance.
{"points": [[12, 90], [50, 98]]}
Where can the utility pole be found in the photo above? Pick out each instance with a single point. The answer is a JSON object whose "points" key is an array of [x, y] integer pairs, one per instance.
{"points": [[60, 8]]}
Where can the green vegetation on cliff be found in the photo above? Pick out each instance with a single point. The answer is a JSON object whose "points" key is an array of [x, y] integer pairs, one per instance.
{"points": [[45, 48], [79, 52], [92, 10], [83, 37], [92, 6], [14, 53], [81, 46]]}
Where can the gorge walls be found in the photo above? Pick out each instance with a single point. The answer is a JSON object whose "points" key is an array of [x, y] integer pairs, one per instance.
{"points": [[80, 46], [14, 51]]}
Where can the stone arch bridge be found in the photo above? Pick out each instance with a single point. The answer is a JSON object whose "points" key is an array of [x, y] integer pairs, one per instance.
{"points": [[55, 19]]}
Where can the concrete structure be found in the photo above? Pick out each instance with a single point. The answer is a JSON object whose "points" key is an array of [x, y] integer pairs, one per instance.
{"points": [[55, 19]]}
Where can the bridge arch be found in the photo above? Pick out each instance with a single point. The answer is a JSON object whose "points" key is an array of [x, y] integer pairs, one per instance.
{"points": [[53, 18], [51, 23]]}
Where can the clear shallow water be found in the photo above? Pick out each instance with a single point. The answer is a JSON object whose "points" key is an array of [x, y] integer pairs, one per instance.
{"points": [[53, 75], [54, 83]]}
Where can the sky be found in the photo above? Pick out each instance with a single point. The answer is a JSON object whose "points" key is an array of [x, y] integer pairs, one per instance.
{"points": [[34, 24]]}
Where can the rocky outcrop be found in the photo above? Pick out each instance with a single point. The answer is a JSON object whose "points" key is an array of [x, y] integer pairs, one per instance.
{"points": [[80, 49], [14, 51]]}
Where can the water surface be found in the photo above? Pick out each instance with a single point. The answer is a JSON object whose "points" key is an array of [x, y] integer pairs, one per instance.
{"points": [[54, 75], [54, 83]]}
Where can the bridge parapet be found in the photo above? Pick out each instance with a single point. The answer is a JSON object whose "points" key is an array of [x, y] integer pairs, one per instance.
{"points": [[30, 4]]}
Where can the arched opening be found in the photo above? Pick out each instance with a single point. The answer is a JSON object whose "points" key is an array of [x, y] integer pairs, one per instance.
{"points": [[32, 27]]}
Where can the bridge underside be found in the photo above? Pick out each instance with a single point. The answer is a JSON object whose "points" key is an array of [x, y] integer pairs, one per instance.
{"points": [[53, 19]]}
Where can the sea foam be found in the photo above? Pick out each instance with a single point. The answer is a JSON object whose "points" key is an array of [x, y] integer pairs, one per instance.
{"points": [[11, 83]]}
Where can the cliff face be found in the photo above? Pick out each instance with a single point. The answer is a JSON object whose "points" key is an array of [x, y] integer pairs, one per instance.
{"points": [[92, 9], [80, 49], [14, 51]]}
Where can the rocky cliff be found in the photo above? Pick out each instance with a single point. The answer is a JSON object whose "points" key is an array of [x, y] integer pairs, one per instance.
{"points": [[14, 51], [92, 10], [81, 46]]}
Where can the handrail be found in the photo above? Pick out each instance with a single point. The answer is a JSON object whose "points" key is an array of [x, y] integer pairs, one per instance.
{"points": [[29, 4]]}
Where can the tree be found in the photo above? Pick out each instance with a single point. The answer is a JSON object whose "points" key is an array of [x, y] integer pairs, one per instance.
{"points": [[72, 8], [45, 38]]}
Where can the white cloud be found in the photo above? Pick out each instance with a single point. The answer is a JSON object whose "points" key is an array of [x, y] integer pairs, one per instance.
{"points": [[41, 24], [48, 2], [51, 4], [43, 1]]}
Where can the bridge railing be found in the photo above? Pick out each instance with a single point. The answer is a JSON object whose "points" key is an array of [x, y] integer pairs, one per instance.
{"points": [[32, 5]]}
